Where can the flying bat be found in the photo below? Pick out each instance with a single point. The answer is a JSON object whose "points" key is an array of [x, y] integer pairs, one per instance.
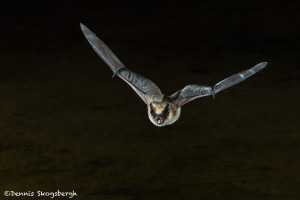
{"points": [[162, 110]]}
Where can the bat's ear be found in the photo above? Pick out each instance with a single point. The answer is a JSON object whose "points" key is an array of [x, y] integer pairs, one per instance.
{"points": [[178, 99], [189, 93], [174, 98]]}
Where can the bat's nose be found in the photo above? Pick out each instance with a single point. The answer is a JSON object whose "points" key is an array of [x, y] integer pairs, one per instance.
{"points": [[159, 119]]}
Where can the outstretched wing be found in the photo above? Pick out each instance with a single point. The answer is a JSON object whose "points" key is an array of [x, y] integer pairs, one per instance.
{"points": [[191, 92], [239, 77], [145, 88]]}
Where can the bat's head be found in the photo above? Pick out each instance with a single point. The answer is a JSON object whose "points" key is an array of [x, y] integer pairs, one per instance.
{"points": [[163, 113]]}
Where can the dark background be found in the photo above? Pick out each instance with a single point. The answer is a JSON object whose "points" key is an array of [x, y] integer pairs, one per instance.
{"points": [[66, 124]]}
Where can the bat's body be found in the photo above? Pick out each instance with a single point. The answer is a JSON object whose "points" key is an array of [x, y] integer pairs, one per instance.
{"points": [[162, 110]]}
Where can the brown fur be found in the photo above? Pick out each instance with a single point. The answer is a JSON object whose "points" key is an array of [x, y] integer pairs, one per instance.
{"points": [[159, 107]]}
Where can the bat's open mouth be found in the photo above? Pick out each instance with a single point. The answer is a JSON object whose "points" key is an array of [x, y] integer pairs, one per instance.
{"points": [[159, 120]]}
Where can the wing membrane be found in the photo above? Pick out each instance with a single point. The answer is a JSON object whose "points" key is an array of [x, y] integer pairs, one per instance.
{"points": [[144, 87], [239, 77], [191, 92]]}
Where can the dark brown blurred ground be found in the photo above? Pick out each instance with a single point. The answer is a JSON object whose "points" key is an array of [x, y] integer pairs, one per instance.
{"points": [[65, 124]]}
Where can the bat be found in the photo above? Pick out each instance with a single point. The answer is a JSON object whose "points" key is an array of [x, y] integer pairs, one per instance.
{"points": [[162, 110]]}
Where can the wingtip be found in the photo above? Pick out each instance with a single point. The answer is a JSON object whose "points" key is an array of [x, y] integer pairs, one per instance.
{"points": [[82, 26], [260, 66], [264, 63]]}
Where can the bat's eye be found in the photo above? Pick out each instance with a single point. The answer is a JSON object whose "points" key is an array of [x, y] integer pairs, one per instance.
{"points": [[152, 109], [166, 110]]}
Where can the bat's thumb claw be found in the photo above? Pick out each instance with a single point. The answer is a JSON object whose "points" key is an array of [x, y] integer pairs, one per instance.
{"points": [[214, 94], [116, 73]]}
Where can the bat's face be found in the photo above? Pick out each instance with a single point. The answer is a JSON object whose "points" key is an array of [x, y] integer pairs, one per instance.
{"points": [[163, 113]]}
